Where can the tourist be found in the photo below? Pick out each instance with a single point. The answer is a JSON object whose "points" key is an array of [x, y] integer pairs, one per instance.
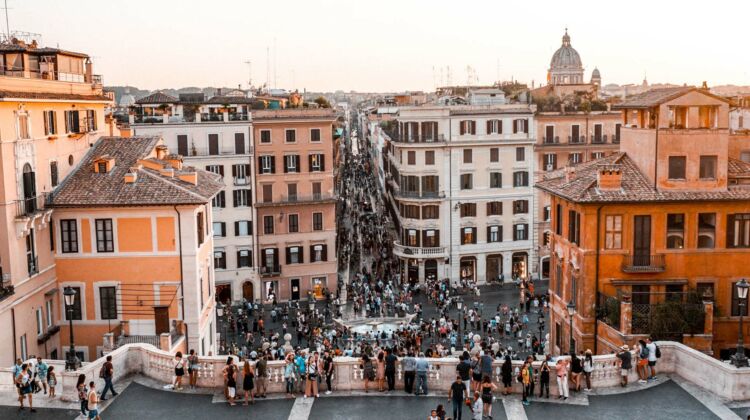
{"points": [[506, 371], [463, 369], [261, 373], [380, 371], [313, 370], [230, 380], [641, 364], [93, 401], [192, 363], [51, 381], [368, 371], [23, 382], [423, 368], [107, 373], [458, 395], [248, 374], [433, 415], [653, 354], [179, 371], [544, 371], [625, 364], [487, 388], [40, 373], [409, 366], [588, 367], [477, 407], [562, 378], [525, 382], [289, 369], [576, 369], [328, 370], [83, 394]]}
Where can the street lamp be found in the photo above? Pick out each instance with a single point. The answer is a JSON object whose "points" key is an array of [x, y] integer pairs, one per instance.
{"points": [[571, 311], [739, 359], [460, 306], [71, 362], [540, 322]]}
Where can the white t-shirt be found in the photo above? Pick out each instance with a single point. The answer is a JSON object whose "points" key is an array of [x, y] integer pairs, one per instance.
{"points": [[651, 352]]}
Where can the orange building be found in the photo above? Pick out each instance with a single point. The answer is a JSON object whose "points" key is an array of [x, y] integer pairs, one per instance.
{"points": [[650, 239], [133, 238], [295, 202]]}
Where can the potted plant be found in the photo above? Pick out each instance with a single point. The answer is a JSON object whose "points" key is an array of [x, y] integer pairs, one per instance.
{"points": [[164, 108]]}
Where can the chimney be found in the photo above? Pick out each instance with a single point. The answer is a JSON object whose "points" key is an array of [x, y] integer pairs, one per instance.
{"points": [[174, 161], [131, 176], [191, 177], [167, 171], [570, 173], [609, 177], [161, 151]]}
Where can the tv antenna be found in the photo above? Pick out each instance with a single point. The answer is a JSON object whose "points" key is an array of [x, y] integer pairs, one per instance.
{"points": [[249, 73]]}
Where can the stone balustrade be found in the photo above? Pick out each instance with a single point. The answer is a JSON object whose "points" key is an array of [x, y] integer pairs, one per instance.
{"points": [[726, 381]]}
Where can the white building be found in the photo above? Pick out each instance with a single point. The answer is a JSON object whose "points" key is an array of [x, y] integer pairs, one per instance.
{"points": [[458, 178], [214, 134]]}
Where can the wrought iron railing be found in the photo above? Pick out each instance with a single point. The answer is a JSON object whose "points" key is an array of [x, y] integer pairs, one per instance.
{"points": [[31, 205], [643, 263]]}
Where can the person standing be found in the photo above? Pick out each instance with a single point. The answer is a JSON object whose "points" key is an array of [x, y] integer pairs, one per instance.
{"points": [[368, 371], [192, 363], [625, 364], [477, 407], [458, 395], [313, 370], [576, 369], [380, 371], [289, 368], [487, 388], [261, 373], [652, 356], [562, 378], [507, 374], [423, 368], [390, 369], [463, 369], [83, 394], [51, 381], [24, 382], [588, 368], [328, 370], [40, 372], [544, 378], [230, 378], [525, 382], [248, 374], [409, 366], [107, 373], [93, 401], [179, 371]]}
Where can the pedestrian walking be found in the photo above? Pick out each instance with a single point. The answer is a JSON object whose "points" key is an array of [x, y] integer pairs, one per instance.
{"points": [[107, 373], [458, 395], [487, 388], [93, 401], [23, 382]]}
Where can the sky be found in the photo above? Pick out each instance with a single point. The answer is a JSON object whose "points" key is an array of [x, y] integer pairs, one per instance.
{"points": [[385, 45]]}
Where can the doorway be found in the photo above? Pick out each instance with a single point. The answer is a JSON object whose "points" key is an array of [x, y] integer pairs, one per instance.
{"points": [[224, 293], [430, 269], [545, 268], [29, 189], [247, 291], [520, 264], [161, 319], [318, 287], [642, 241], [494, 267], [295, 289], [467, 269]]}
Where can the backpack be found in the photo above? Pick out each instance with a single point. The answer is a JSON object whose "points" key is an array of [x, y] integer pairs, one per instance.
{"points": [[658, 352], [103, 371]]}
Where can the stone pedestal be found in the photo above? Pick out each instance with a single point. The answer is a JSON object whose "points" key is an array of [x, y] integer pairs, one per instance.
{"points": [[108, 343], [165, 342]]}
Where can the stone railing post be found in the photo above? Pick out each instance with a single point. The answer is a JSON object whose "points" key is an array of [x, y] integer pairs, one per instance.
{"points": [[708, 321], [108, 343], [626, 315], [165, 342]]}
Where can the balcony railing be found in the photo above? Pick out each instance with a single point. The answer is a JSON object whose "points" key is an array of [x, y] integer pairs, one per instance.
{"points": [[29, 206], [241, 181], [403, 138], [238, 116], [576, 139], [599, 139], [414, 251], [615, 139], [148, 119], [654, 263], [551, 140], [269, 271], [427, 195], [212, 116]]}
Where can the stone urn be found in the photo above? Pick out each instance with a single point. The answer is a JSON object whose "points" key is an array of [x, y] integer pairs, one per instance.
{"points": [[287, 344]]}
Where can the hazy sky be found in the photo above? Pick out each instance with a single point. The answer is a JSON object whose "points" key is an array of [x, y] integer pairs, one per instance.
{"points": [[384, 45]]}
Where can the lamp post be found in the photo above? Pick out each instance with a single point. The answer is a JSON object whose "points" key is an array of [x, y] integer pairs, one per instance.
{"points": [[71, 362], [739, 359], [220, 314], [460, 306], [540, 322], [571, 311]]}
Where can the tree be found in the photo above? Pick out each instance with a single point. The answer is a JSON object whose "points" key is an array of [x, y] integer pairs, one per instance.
{"points": [[322, 102]]}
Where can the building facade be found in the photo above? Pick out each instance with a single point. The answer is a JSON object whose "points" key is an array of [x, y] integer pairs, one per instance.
{"points": [[214, 134], [133, 239], [295, 203], [51, 109], [645, 235], [458, 185]]}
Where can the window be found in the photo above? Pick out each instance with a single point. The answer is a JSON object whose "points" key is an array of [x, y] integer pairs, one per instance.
{"points": [[244, 258], [199, 228], [317, 221], [217, 169], [738, 230], [317, 190], [104, 237], [23, 126], [239, 143], [50, 314], [494, 233], [617, 132], [466, 181], [520, 179], [241, 173], [291, 164], [467, 127], [597, 155], [243, 228], [574, 227], [315, 134], [708, 167], [265, 136], [76, 313], [575, 158], [267, 193], [550, 161], [704, 289], [72, 123], [736, 302], [108, 302], [293, 223], [213, 144], [270, 260], [520, 206], [291, 192], [220, 259], [468, 210], [31, 260], [706, 230], [430, 185], [53, 173], [267, 164], [90, 120], [467, 156], [575, 134], [520, 154], [675, 231], [468, 235], [494, 154], [220, 229], [290, 136], [677, 167], [410, 212], [429, 157], [39, 322], [496, 180], [241, 198], [69, 235], [50, 123], [558, 219], [412, 239], [182, 144], [318, 253], [431, 212], [547, 213], [317, 162], [294, 255], [268, 225], [219, 200], [521, 232], [520, 125], [411, 157], [558, 279], [494, 208], [613, 232], [494, 127]]}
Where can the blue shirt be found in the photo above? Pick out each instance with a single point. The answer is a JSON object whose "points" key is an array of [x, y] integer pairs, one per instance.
{"points": [[300, 362], [422, 365]]}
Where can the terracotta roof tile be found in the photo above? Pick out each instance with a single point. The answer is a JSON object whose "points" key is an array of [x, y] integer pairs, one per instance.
{"points": [[47, 95], [653, 97], [157, 98]]}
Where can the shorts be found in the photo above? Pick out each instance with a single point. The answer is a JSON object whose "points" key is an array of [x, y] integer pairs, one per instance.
{"points": [[179, 371], [652, 363], [232, 391], [642, 362], [625, 372], [93, 413]]}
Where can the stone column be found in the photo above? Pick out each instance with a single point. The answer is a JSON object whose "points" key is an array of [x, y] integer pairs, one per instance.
{"points": [[708, 322], [626, 315], [420, 265], [225, 116]]}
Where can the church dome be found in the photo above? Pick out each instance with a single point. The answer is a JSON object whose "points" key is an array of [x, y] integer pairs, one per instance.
{"points": [[566, 57], [126, 99], [595, 73]]}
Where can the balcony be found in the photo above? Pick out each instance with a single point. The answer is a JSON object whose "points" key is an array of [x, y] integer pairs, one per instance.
{"points": [[576, 139], [270, 271], [416, 195], [148, 119], [6, 290], [241, 181], [434, 138], [419, 252], [238, 116], [551, 140], [28, 207], [212, 117], [298, 199], [599, 139], [654, 263]]}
